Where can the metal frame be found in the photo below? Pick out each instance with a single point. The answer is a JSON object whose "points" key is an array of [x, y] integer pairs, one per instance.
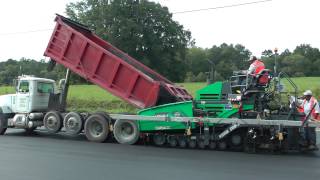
{"points": [[243, 122]]}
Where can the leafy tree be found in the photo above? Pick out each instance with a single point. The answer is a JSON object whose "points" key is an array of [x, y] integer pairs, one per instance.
{"points": [[267, 53], [197, 60], [201, 77], [312, 55], [189, 77], [143, 29], [296, 65], [229, 58]]}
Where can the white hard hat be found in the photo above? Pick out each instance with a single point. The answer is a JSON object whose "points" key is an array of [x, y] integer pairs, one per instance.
{"points": [[308, 93]]}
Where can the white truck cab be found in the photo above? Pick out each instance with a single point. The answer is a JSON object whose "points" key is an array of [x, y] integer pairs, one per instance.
{"points": [[30, 101], [32, 95]]}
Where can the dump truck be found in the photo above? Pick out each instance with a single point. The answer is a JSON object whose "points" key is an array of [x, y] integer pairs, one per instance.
{"points": [[243, 113]]}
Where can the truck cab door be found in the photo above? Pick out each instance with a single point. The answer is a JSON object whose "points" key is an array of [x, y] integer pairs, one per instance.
{"points": [[40, 98], [22, 104]]}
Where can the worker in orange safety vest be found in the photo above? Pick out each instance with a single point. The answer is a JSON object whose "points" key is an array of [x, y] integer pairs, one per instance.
{"points": [[256, 66], [310, 105]]}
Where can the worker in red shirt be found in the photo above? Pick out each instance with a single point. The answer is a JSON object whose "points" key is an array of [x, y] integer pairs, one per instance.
{"points": [[256, 66]]}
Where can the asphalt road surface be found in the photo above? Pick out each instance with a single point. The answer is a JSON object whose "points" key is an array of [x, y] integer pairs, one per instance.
{"points": [[57, 157]]}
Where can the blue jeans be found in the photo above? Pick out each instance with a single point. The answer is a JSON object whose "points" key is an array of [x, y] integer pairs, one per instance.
{"points": [[309, 135]]}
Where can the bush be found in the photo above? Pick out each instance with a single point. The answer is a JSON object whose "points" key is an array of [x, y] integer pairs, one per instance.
{"points": [[299, 74], [201, 77], [189, 77]]}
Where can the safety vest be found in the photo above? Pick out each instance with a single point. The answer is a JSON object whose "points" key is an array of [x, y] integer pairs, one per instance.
{"points": [[313, 112], [259, 66]]}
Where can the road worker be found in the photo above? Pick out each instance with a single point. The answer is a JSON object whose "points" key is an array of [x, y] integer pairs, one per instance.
{"points": [[256, 66], [310, 105]]}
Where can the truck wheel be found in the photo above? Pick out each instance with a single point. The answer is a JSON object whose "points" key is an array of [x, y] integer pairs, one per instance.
{"points": [[182, 141], [3, 122], [159, 139], [73, 123], [192, 143], [126, 131], [212, 145], [96, 128], [52, 121], [222, 145], [201, 144], [172, 140]]}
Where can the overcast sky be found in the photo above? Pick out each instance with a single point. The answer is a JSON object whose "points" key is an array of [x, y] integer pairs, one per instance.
{"points": [[277, 23]]}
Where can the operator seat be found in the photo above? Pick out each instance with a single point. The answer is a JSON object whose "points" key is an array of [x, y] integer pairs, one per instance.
{"points": [[258, 82], [263, 78]]}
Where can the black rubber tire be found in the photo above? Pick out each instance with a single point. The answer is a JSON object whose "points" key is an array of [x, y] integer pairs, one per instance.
{"points": [[96, 128], [172, 141], [222, 145], [52, 121], [212, 145], [126, 131], [3, 122], [73, 123], [201, 144], [192, 143], [236, 140], [182, 141], [159, 139]]}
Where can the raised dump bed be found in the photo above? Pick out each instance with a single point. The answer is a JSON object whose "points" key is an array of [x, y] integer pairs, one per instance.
{"points": [[76, 47]]}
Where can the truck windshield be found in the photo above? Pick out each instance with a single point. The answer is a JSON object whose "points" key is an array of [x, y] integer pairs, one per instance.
{"points": [[24, 86], [44, 87]]}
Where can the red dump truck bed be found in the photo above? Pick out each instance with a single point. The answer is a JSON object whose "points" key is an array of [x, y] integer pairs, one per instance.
{"points": [[74, 46]]}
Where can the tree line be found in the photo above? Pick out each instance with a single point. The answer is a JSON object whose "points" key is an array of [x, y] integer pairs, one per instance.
{"points": [[11, 69], [146, 31], [304, 60]]}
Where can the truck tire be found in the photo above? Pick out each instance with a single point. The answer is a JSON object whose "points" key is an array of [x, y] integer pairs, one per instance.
{"points": [[192, 143], [3, 126], [213, 145], [222, 145], [52, 121], [96, 128], [126, 131], [159, 139], [182, 141], [172, 140], [73, 123]]}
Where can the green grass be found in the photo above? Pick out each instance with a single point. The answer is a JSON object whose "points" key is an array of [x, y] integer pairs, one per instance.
{"points": [[193, 87], [92, 92], [93, 98], [6, 90], [304, 83]]}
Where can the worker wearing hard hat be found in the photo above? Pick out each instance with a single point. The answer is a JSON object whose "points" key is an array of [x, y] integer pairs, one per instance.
{"points": [[256, 66], [311, 110]]}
